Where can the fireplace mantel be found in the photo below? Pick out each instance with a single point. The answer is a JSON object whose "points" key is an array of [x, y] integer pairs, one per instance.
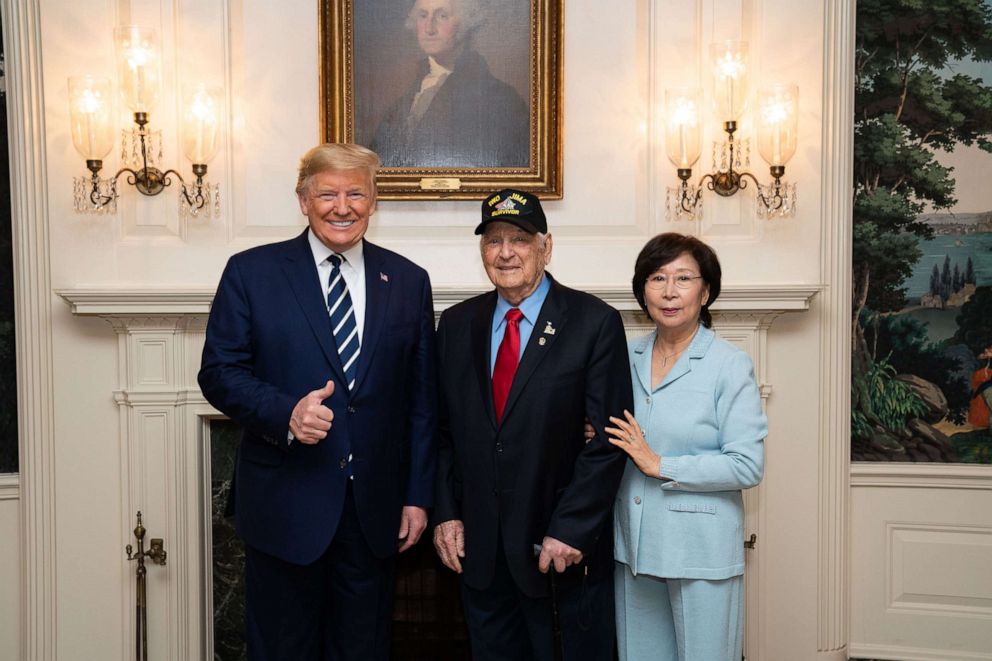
{"points": [[123, 301], [164, 429]]}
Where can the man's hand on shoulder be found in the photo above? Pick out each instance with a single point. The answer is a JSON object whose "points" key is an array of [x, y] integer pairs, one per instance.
{"points": [[413, 522], [560, 553], [449, 540], [311, 420]]}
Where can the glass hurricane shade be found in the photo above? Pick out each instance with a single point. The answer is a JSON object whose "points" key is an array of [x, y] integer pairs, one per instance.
{"points": [[778, 110], [90, 116], [138, 64], [201, 118], [729, 61], [683, 138]]}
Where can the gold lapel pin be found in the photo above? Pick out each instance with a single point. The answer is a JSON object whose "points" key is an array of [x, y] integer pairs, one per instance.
{"points": [[542, 341], [549, 329]]}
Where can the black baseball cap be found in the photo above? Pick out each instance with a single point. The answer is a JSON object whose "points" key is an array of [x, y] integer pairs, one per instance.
{"points": [[515, 207]]}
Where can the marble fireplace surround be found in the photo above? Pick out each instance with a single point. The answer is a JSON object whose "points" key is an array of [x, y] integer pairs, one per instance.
{"points": [[164, 429]]}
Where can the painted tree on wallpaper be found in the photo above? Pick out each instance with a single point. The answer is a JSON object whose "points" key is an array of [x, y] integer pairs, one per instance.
{"points": [[922, 265]]}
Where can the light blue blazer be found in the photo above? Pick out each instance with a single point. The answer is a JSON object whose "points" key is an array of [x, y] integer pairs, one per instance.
{"points": [[706, 422]]}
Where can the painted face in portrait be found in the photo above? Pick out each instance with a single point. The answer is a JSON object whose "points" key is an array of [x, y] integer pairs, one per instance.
{"points": [[438, 27], [338, 205], [514, 259], [674, 296]]}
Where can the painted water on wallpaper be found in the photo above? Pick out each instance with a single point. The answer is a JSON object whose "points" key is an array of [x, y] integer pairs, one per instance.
{"points": [[922, 250]]}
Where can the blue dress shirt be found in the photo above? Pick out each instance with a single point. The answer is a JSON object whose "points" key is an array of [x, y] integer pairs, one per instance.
{"points": [[530, 306]]}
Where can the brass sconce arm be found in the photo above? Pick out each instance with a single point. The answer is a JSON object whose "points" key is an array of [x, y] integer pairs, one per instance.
{"points": [[148, 179], [726, 183]]}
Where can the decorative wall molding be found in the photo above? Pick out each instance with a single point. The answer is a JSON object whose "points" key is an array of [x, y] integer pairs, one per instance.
{"points": [[865, 651], [921, 476], [10, 488], [837, 162], [33, 327], [917, 587]]}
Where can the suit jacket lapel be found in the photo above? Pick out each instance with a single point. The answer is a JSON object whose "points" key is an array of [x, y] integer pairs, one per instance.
{"points": [[481, 356], [642, 361], [696, 349], [301, 272], [377, 291], [550, 323]]}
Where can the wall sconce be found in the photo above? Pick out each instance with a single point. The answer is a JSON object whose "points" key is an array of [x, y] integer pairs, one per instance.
{"points": [[777, 115], [91, 110]]}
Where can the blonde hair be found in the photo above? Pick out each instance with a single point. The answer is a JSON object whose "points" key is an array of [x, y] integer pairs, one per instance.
{"points": [[336, 156]]}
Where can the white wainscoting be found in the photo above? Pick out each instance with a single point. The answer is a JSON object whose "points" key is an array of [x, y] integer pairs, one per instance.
{"points": [[921, 561], [164, 423], [10, 568]]}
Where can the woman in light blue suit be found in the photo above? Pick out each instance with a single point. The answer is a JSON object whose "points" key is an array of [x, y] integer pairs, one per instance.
{"points": [[695, 440]]}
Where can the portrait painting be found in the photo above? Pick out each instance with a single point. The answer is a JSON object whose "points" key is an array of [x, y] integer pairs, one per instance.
{"points": [[456, 96]]}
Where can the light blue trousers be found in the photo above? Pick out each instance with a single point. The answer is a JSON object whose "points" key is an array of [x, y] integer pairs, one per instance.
{"points": [[671, 619]]}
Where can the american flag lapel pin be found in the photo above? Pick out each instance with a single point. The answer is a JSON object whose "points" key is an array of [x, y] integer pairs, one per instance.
{"points": [[383, 277]]}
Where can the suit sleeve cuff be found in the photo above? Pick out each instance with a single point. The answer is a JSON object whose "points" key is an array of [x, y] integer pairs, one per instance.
{"points": [[669, 473]]}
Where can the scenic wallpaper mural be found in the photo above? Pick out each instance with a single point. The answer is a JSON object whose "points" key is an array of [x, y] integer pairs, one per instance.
{"points": [[921, 381]]}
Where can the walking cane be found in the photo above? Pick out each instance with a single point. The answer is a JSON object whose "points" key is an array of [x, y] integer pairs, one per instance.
{"points": [[558, 644]]}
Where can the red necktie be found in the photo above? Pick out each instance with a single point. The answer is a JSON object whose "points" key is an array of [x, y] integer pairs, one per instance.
{"points": [[507, 358]]}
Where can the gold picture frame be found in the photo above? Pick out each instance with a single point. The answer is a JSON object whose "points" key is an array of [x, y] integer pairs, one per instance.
{"points": [[494, 119]]}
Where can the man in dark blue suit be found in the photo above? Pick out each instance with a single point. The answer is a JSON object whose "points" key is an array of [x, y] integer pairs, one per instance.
{"points": [[321, 348]]}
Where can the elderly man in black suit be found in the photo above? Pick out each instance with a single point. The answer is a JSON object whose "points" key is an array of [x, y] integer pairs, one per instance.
{"points": [[521, 368]]}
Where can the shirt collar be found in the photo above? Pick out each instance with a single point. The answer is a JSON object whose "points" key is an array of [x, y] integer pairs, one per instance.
{"points": [[354, 255], [530, 306], [435, 68]]}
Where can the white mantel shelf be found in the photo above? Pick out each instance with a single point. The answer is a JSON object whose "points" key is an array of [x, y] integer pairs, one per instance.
{"points": [[108, 301], [118, 301]]}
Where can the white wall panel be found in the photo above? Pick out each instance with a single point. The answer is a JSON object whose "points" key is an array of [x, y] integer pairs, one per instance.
{"points": [[921, 576], [10, 601]]}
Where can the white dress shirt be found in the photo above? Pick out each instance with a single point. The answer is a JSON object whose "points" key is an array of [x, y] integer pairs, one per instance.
{"points": [[353, 271]]}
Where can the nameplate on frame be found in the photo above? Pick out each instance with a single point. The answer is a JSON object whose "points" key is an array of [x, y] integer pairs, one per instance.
{"points": [[440, 183]]}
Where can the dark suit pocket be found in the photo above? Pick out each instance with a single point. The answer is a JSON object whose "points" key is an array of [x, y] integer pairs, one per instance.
{"points": [[258, 453]]}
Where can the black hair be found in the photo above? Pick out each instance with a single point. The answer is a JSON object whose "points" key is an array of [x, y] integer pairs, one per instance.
{"points": [[665, 248]]}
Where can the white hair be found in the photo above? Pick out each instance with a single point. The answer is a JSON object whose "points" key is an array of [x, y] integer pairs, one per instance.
{"points": [[471, 16]]}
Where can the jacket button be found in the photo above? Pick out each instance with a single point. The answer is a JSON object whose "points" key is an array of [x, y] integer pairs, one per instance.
{"points": [[351, 409], [499, 447], [637, 500], [343, 464], [647, 400]]}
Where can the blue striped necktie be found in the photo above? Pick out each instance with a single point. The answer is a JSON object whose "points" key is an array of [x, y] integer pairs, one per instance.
{"points": [[343, 322]]}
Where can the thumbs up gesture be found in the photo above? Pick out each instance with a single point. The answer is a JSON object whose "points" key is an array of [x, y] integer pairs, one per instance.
{"points": [[311, 420]]}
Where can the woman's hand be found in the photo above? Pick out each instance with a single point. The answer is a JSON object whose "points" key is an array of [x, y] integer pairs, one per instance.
{"points": [[588, 432], [627, 436]]}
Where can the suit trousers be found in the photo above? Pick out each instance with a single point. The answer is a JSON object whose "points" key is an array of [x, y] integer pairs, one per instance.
{"points": [[661, 619], [338, 608], [506, 625]]}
